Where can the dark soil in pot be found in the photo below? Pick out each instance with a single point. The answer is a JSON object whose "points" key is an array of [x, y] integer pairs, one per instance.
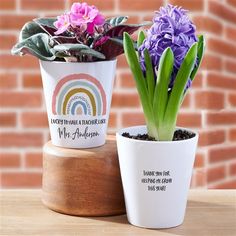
{"points": [[178, 135]]}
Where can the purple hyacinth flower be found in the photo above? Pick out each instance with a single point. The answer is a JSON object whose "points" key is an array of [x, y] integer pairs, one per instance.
{"points": [[171, 28]]}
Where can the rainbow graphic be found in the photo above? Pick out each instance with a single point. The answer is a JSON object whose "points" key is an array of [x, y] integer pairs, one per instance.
{"points": [[79, 94]]}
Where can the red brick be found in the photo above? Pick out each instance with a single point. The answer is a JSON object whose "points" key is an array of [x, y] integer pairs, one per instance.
{"points": [[125, 100], [232, 2], [147, 17], [121, 62], [208, 24], [33, 160], [127, 80], [232, 99], [32, 81], [227, 185], [216, 173], [200, 178], [21, 180], [7, 4], [133, 20], [209, 100], [7, 81], [232, 169], [222, 47], [221, 81], [231, 33], [222, 154], [8, 160], [7, 41], [199, 161], [221, 118], [115, 85], [14, 21], [211, 137], [134, 5], [211, 62], [193, 5], [7, 119], [197, 82], [34, 119], [186, 102], [112, 120], [221, 10], [189, 120], [230, 65], [42, 5], [22, 139], [232, 134], [20, 99], [104, 5], [132, 119], [17, 62]]}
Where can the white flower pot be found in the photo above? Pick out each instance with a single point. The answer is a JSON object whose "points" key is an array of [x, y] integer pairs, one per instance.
{"points": [[156, 178], [78, 97]]}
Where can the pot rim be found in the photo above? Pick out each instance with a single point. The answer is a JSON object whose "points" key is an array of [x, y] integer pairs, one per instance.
{"points": [[119, 134], [66, 62]]}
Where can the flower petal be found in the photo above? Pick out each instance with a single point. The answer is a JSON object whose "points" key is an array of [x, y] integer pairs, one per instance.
{"points": [[99, 20], [90, 28]]}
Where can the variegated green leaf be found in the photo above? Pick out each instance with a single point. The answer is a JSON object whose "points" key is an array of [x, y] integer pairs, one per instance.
{"points": [[36, 45], [117, 20], [29, 29]]}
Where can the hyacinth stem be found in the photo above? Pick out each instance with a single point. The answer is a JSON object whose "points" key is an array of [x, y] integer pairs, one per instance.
{"points": [[160, 107]]}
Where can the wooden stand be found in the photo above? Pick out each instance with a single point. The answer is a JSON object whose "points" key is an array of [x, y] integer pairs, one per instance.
{"points": [[83, 182]]}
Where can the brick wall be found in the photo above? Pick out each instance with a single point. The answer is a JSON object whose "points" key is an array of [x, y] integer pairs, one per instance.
{"points": [[210, 107]]}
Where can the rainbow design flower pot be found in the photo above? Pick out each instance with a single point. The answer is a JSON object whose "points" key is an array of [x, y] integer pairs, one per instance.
{"points": [[78, 98]]}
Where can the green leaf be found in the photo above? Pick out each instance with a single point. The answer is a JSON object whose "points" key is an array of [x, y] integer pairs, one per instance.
{"points": [[29, 29], [93, 53], [141, 37], [134, 65], [64, 39], [46, 24], [165, 69], [69, 47], [36, 45], [61, 54], [200, 52], [117, 20], [176, 95], [77, 49], [149, 76]]}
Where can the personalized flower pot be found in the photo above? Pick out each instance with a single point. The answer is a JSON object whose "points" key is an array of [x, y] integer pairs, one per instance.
{"points": [[156, 178], [78, 97]]}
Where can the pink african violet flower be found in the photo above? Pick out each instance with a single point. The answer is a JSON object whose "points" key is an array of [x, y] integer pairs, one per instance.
{"points": [[84, 15], [62, 23]]}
